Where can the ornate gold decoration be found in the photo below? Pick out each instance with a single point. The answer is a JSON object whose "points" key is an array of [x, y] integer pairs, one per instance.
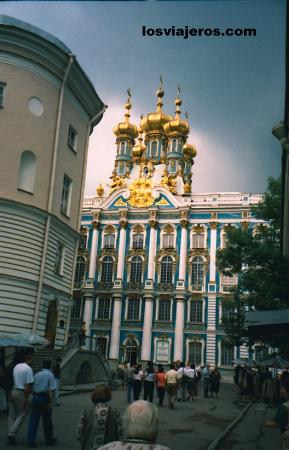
{"points": [[169, 182], [187, 188], [198, 229], [83, 230], [141, 193], [153, 223], [150, 169], [120, 202], [189, 151], [214, 225], [167, 252], [117, 183], [177, 126], [126, 129], [100, 190], [138, 228], [169, 228], [137, 252], [214, 215], [162, 202], [245, 215], [109, 229], [245, 225], [95, 225]]}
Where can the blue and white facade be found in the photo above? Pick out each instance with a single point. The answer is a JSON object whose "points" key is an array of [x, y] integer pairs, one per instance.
{"points": [[147, 285]]}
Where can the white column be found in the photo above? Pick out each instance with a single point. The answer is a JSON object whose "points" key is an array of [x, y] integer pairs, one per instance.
{"points": [[211, 330], [152, 251], [213, 248], [87, 314], [93, 251], [183, 253], [121, 251], [116, 320], [147, 329], [179, 330]]}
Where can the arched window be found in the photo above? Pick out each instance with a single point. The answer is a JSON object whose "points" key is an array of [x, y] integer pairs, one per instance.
{"points": [[79, 271], [198, 240], [167, 270], [137, 240], [198, 272], [136, 269], [107, 269], [131, 351], [109, 240], [27, 171], [122, 148], [174, 145], [154, 149]]}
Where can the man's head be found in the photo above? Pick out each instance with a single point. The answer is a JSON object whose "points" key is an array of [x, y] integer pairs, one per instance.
{"points": [[284, 391], [141, 421], [47, 364], [27, 359]]}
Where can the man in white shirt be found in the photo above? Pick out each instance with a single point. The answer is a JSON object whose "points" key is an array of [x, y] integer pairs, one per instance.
{"points": [[171, 382], [18, 405]]}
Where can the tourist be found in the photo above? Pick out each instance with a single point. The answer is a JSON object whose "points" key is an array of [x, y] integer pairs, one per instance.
{"points": [[149, 382], [129, 381], [198, 378], [190, 375], [56, 372], [182, 382], [137, 382], [19, 398], [141, 423], [3, 398], [206, 380], [100, 423], [215, 381], [161, 384], [172, 383], [41, 405], [281, 418]]}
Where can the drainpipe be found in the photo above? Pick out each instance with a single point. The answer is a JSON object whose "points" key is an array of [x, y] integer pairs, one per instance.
{"points": [[51, 191]]}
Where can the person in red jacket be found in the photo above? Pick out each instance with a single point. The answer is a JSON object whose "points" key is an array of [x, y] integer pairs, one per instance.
{"points": [[161, 384]]}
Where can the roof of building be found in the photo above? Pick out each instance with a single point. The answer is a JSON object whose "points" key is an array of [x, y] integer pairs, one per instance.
{"points": [[12, 22]]}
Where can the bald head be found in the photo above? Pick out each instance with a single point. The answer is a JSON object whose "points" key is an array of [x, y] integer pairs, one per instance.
{"points": [[141, 421]]}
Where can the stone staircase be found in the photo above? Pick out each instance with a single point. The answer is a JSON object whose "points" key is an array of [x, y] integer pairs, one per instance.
{"points": [[42, 354]]}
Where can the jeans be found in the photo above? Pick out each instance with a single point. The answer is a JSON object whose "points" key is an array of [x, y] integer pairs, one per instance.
{"points": [[148, 388], [161, 394], [17, 411], [206, 382], [129, 390], [137, 385], [39, 407]]}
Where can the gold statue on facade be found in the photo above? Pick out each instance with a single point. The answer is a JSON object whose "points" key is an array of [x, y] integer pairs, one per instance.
{"points": [[169, 182]]}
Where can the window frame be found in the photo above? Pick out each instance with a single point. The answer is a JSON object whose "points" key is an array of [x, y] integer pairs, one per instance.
{"points": [[108, 236], [199, 312], [3, 87], [103, 262], [78, 272], [168, 276], [136, 271], [197, 274], [164, 314], [104, 305], [66, 196], [72, 144], [133, 309], [59, 259]]}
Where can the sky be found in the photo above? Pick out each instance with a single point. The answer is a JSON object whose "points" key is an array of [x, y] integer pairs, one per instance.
{"points": [[232, 87]]}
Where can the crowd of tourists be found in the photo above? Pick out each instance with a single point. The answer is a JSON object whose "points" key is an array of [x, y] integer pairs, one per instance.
{"points": [[180, 382]]}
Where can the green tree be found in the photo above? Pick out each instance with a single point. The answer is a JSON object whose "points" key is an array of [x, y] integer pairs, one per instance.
{"points": [[263, 271]]}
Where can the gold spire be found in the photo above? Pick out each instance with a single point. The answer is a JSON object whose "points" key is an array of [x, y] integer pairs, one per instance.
{"points": [[177, 126], [154, 121], [126, 129], [140, 147]]}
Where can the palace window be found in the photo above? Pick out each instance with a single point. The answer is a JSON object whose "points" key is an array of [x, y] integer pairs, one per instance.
{"points": [[168, 240], [227, 354], [82, 242], [2, 94], [79, 271], [27, 172], [154, 149], [76, 309], [136, 269], [197, 272], [59, 259], [72, 138], [107, 269], [198, 240], [101, 345], [137, 240], [166, 270], [196, 311], [195, 352], [133, 309], [103, 310], [174, 145], [122, 148], [66, 195], [229, 284], [164, 310], [109, 240], [131, 351]]}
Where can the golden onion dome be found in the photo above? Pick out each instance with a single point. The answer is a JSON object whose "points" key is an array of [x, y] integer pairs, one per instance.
{"points": [[189, 151], [126, 129], [154, 121], [138, 149], [177, 126]]}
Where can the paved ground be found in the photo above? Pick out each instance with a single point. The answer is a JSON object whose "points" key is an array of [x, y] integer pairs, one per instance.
{"points": [[191, 426]]}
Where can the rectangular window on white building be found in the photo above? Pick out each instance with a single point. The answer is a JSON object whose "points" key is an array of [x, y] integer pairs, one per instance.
{"points": [[198, 240], [103, 308], [168, 241], [72, 138], [196, 311], [227, 354], [133, 309], [108, 240], [59, 259], [101, 345], [195, 352], [66, 195], [164, 310], [2, 93]]}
